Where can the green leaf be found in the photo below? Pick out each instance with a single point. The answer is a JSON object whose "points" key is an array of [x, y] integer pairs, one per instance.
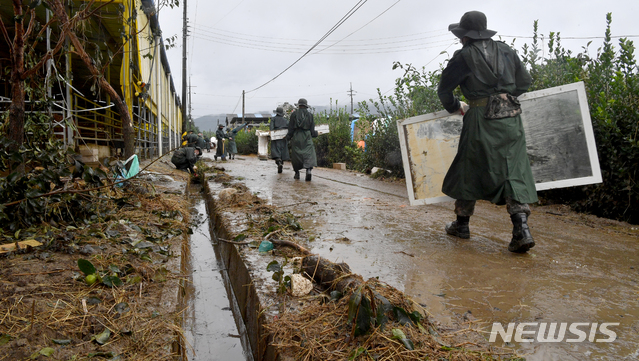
{"points": [[353, 304], [122, 307], [384, 306], [111, 281], [356, 353], [86, 267], [364, 317], [408, 344], [4, 339], [274, 266], [114, 268], [335, 295], [399, 335], [61, 342], [103, 337], [47, 351], [402, 316], [240, 237]]}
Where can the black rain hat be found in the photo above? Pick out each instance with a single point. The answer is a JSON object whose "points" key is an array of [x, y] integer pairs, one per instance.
{"points": [[302, 103], [472, 25], [279, 111]]}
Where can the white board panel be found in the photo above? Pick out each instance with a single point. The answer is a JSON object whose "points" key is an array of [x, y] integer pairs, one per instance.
{"points": [[559, 138]]}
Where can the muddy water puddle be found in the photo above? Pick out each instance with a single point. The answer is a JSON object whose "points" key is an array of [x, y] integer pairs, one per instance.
{"points": [[581, 271], [210, 326]]}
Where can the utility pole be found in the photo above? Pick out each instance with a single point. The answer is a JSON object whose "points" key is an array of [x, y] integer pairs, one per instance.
{"points": [[190, 106], [184, 32], [351, 92], [242, 106]]}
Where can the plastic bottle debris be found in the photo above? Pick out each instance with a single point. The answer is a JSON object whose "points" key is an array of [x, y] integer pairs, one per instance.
{"points": [[266, 246]]}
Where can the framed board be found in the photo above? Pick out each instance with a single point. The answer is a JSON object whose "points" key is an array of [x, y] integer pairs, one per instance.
{"points": [[559, 139]]}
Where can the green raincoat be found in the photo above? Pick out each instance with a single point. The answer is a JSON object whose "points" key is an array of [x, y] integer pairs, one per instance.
{"points": [[491, 161], [184, 158], [301, 131], [220, 150], [279, 147], [231, 145]]}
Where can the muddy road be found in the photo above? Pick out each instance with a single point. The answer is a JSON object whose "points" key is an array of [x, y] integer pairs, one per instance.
{"points": [[584, 269]]}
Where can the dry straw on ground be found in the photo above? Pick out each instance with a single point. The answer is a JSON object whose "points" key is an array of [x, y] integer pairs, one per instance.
{"points": [[45, 305], [319, 330]]}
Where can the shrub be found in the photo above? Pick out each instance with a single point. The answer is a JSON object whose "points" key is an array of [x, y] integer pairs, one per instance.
{"points": [[612, 87], [336, 146], [246, 141]]}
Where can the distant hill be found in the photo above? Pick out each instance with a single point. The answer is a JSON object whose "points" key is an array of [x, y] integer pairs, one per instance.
{"points": [[209, 122]]}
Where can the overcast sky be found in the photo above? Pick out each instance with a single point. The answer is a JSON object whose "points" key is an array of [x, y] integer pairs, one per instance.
{"points": [[237, 45]]}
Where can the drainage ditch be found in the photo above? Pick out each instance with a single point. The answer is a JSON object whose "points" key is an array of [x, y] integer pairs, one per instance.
{"points": [[220, 319]]}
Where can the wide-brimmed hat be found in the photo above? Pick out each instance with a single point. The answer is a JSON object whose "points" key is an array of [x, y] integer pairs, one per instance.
{"points": [[279, 111], [473, 25], [302, 103], [220, 126]]}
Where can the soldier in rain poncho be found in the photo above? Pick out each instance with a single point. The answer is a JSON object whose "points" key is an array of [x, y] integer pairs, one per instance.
{"points": [[301, 131], [185, 158], [279, 147], [232, 146], [220, 151], [491, 161]]}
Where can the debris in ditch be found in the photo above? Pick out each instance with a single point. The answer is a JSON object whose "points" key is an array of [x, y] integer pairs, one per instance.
{"points": [[320, 331], [300, 285]]}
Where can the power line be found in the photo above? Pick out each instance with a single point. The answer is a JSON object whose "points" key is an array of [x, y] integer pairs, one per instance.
{"points": [[243, 35], [339, 23], [249, 39], [344, 38], [346, 51], [360, 43]]}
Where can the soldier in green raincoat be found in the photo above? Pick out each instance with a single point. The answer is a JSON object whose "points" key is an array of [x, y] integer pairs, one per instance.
{"points": [[185, 158], [231, 145], [279, 147], [491, 161], [301, 131], [220, 150]]}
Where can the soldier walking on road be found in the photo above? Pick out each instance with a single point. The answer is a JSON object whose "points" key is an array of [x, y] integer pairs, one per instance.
{"points": [[301, 131], [279, 147], [220, 135], [232, 146], [491, 161]]}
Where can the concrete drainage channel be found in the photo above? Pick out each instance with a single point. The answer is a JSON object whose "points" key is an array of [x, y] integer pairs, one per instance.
{"points": [[221, 321]]}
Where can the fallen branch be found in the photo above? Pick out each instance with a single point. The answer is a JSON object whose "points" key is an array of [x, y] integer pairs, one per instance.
{"points": [[331, 275], [285, 243]]}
